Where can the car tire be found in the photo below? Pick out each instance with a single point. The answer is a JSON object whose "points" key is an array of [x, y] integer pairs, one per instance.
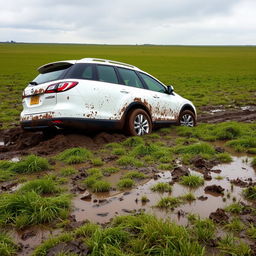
{"points": [[187, 118], [138, 123]]}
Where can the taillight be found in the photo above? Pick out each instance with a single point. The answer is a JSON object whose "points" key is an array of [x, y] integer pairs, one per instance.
{"points": [[60, 87]]}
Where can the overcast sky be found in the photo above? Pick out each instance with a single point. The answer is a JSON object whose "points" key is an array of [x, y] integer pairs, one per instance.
{"points": [[211, 22]]}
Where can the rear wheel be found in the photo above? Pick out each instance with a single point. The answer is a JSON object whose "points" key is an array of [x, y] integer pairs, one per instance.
{"points": [[138, 123], [187, 118]]}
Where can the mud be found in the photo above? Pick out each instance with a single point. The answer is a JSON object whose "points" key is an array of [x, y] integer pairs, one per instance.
{"points": [[217, 114], [16, 142], [219, 216]]}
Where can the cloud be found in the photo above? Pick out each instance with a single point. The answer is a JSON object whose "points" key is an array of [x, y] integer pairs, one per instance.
{"points": [[129, 22]]}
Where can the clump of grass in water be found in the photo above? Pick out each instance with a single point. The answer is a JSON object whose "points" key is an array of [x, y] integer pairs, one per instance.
{"points": [[75, 155], [250, 193], [189, 197], [125, 183], [196, 149], [4, 164], [67, 171], [162, 187], [134, 175], [97, 161], [30, 164], [129, 160], [42, 186], [101, 186], [192, 181], [251, 231], [7, 246], [24, 209], [243, 144], [169, 202], [109, 170]]}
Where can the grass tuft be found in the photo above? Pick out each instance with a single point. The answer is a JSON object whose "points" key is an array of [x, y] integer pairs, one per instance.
{"points": [[129, 160], [169, 202], [28, 208], [30, 164], [101, 186], [134, 175], [125, 183], [75, 155], [133, 141], [162, 187], [250, 193], [192, 181], [7, 246]]}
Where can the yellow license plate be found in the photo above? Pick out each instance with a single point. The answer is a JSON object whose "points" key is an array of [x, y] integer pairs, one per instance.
{"points": [[34, 100]]}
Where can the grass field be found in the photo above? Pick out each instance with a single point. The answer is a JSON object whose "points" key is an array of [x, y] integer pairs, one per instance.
{"points": [[205, 75]]}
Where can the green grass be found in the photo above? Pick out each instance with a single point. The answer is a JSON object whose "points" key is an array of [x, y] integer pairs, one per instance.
{"points": [[192, 181], [134, 175], [235, 208], [7, 246], [6, 175], [74, 155], [125, 183], [189, 197], [30, 164], [101, 186], [251, 231], [203, 229], [29, 208], [67, 171], [250, 193], [233, 246], [169, 202], [97, 161], [110, 170], [243, 144], [235, 225], [41, 186], [133, 141], [196, 149], [254, 162], [129, 160], [162, 187]]}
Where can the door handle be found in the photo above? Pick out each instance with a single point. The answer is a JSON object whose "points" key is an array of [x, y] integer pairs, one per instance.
{"points": [[156, 97], [124, 91]]}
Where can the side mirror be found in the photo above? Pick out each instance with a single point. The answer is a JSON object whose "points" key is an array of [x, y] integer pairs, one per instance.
{"points": [[170, 89]]}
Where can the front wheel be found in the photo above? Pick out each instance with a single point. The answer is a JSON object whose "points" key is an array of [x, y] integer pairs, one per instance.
{"points": [[187, 118], [138, 123]]}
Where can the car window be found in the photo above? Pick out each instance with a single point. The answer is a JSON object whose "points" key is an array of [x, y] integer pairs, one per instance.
{"points": [[152, 84], [50, 76], [81, 71], [107, 74], [130, 78]]}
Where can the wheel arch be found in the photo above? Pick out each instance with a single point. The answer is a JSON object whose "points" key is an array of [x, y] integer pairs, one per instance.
{"points": [[187, 107], [131, 107]]}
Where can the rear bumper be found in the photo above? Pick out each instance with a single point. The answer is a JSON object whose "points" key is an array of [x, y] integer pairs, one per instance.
{"points": [[79, 123]]}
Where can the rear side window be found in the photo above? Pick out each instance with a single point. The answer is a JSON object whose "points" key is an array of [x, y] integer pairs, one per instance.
{"points": [[50, 76], [107, 74], [81, 71], [152, 84], [130, 78]]}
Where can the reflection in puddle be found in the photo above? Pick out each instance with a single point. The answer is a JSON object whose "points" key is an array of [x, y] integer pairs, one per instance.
{"points": [[102, 207]]}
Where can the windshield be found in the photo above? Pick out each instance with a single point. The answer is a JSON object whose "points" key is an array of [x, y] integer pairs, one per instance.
{"points": [[49, 76]]}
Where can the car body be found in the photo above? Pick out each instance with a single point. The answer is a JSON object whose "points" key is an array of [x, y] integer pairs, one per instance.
{"points": [[92, 93]]}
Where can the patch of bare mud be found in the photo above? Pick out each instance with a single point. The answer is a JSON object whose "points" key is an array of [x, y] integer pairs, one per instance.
{"points": [[16, 142], [218, 114]]}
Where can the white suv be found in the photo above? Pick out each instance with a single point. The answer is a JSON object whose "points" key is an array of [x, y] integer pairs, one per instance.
{"points": [[90, 93]]}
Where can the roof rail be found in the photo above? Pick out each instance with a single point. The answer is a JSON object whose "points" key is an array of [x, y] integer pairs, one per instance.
{"points": [[111, 62]]}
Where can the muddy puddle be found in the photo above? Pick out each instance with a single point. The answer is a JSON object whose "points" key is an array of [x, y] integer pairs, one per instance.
{"points": [[102, 207]]}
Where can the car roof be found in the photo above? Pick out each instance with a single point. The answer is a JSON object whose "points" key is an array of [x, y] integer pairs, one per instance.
{"points": [[48, 66]]}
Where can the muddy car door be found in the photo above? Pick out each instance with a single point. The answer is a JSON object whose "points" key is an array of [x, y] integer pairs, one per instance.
{"points": [[165, 106]]}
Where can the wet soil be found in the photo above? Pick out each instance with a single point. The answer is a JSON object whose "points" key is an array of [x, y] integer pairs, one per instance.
{"points": [[16, 142], [102, 207]]}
